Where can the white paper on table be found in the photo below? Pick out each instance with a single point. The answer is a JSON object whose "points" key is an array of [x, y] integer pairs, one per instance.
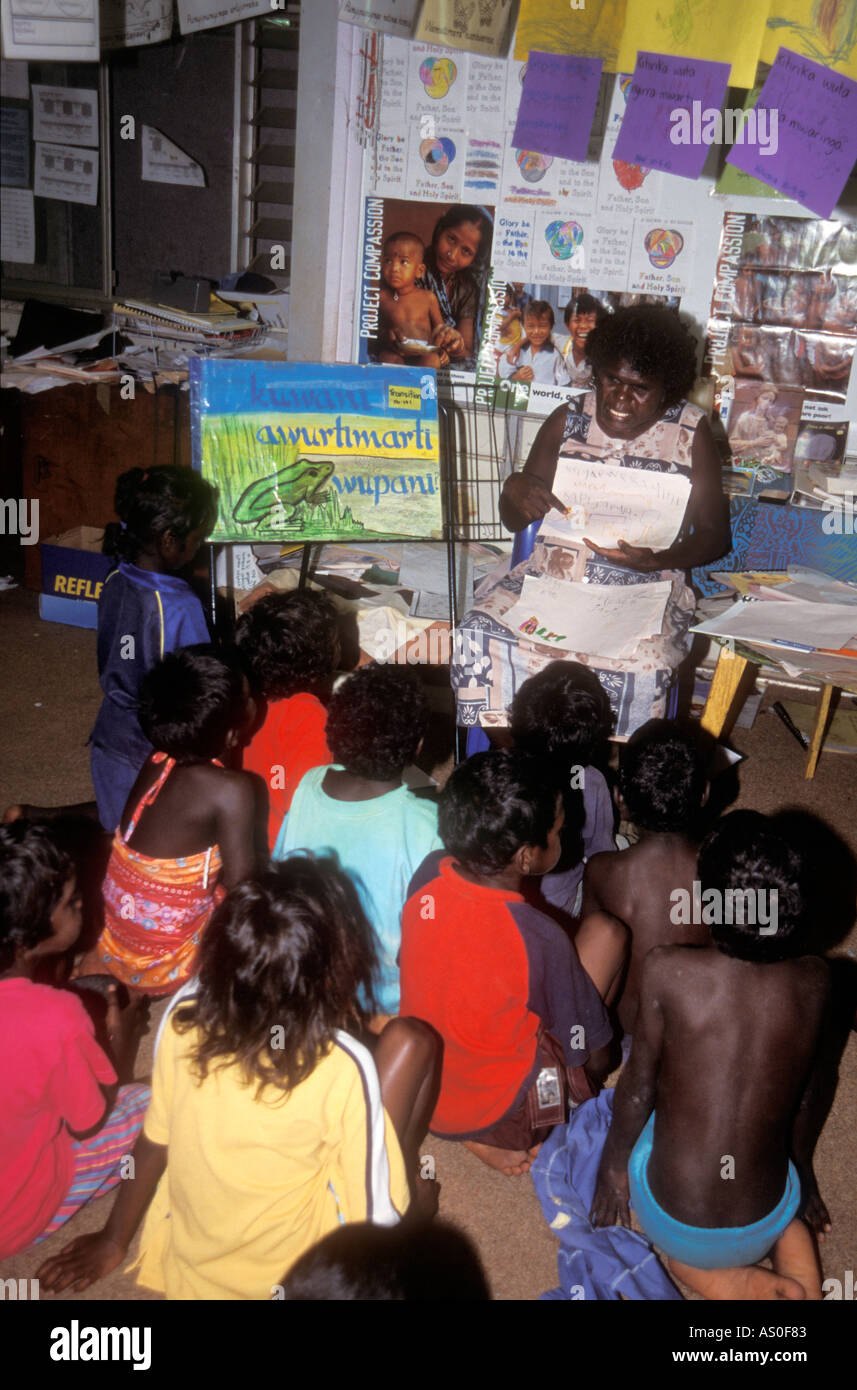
{"points": [[799, 622], [56, 30], [608, 503], [65, 115], [209, 14], [608, 620], [68, 173], [165, 162], [129, 23], [17, 226], [14, 80], [384, 16]]}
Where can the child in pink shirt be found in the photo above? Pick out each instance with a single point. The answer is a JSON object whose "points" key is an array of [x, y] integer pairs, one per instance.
{"points": [[62, 1138]]}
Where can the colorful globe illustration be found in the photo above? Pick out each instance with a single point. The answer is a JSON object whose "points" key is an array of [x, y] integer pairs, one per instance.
{"points": [[437, 155], [563, 239], [532, 165], [663, 245], [437, 76]]}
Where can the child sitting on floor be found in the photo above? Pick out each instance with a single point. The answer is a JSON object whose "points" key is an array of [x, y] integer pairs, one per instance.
{"points": [[563, 714], [718, 1087], [519, 1010], [189, 828], [360, 811], [291, 647], [270, 1121], [663, 787], [64, 1124]]}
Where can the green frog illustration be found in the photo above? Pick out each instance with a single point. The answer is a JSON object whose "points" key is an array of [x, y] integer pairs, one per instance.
{"points": [[272, 500]]}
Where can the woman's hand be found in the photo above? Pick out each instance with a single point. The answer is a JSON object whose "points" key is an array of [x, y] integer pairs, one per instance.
{"points": [[81, 1263], [529, 498], [450, 339], [632, 557]]}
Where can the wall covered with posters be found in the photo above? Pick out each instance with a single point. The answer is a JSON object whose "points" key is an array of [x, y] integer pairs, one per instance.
{"points": [[769, 289]]}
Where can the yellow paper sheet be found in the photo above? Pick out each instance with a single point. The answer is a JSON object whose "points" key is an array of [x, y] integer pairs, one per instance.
{"points": [[824, 30], [553, 26], [722, 31]]}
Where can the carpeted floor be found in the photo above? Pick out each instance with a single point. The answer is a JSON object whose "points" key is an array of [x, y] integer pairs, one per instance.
{"points": [[48, 699]]}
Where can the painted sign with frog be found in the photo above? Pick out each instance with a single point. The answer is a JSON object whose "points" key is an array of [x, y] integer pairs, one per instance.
{"points": [[302, 452]]}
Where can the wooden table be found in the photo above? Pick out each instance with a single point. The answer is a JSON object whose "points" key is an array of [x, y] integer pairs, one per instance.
{"points": [[729, 682]]}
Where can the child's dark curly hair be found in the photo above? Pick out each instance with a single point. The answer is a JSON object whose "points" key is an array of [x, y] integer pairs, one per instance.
{"points": [[190, 702], [663, 775], [376, 721], [561, 713], [285, 961], [152, 501], [33, 873], [288, 642], [744, 856], [492, 805], [653, 341]]}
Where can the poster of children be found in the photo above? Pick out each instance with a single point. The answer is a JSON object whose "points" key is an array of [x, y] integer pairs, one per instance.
{"points": [[424, 280], [762, 429], [784, 307], [537, 333]]}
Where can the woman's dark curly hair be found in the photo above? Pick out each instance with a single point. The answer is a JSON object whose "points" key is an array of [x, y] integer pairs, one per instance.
{"points": [[286, 959], [288, 642], [33, 874], [653, 341], [376, 720], [152, 501], [561, 713]]}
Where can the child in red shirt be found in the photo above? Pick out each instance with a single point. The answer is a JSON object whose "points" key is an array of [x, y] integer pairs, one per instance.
{"points": [[290, 645], [62, 1138], [523, 1024]]}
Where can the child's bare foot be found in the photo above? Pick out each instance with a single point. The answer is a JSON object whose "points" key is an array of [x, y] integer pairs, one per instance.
{"points": [[743, 1283], [795, 1257], [513, 1162]]}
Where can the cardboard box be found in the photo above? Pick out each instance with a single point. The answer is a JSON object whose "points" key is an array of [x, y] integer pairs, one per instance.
{"points": [[75, 612], [74, 569]]}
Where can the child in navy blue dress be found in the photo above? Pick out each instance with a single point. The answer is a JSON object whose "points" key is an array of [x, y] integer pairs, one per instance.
{"points": [[146, 610]]}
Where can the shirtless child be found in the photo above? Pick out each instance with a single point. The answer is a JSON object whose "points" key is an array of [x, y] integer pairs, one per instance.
{"points": [[716, 1094], [409, 317], [663, 787]]}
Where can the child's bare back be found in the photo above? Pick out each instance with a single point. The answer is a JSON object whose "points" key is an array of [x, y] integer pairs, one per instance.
{"points": [[637, 886], [734, 1043]]}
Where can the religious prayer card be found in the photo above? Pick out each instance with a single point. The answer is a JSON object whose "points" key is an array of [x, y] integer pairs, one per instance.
{"points": [[816, 117], [672, 113], [606, 503], [318, 453]]}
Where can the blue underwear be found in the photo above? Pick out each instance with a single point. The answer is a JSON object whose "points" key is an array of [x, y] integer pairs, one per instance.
{"points": [[703, 1247]]}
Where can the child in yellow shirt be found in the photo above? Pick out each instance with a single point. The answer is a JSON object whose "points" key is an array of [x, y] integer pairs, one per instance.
{"points": [[270, 1121]]}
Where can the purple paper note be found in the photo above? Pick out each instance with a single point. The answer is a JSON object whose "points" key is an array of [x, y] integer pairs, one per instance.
{"points": [[804, 138], [557, 104], [673, 113]]}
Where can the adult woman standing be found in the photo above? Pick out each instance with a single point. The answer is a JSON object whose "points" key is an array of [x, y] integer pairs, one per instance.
{"points": [[643, 361], [456, 268]]}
